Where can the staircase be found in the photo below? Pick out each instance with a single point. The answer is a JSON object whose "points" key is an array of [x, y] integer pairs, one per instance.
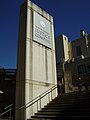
{"points": [[68, 105]]}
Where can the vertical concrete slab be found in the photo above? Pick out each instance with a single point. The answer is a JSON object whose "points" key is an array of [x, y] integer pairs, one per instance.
{"points": [[36, 63]]}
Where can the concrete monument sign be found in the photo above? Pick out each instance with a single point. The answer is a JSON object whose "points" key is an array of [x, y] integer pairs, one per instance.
{"points": [[36, 65]]}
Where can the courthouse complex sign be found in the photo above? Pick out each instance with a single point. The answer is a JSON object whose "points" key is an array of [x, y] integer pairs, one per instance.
{"points": [[36, 68], [41, 30]]}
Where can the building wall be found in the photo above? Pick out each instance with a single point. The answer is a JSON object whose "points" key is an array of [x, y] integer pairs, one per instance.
{"points": [[66, 47], [59, 49], [83, 72], [77, 54], [82, 43], [70, 50], [88, 37], [62, 48]]}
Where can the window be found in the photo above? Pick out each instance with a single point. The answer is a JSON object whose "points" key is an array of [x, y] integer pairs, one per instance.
{"points": [[65, 38], [82, 69], [78, 49]]}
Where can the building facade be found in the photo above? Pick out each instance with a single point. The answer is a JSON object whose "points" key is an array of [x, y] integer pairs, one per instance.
{"points": [[74, 57]]}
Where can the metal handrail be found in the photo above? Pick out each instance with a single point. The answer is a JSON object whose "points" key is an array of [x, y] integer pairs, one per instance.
{"points": [[9, 110], [38, 98], [32, 101]]}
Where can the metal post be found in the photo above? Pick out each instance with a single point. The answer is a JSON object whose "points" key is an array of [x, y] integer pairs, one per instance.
{"points": [[40, 101], [10, 113], [37, 105], [48, 97], [9, 110], [51, 94]]}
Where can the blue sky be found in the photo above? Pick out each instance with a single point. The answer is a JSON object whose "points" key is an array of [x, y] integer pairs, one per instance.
{"points": [[70, 16]]}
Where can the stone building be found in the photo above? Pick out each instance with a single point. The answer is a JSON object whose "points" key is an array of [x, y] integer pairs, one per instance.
{"points": [[74, 59]]}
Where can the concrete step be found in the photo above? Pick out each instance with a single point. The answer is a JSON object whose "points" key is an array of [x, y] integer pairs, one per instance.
{"points": [[70, 113], [70, 102], [67, 105], [54, 117], [71, 106], [71, 99], [69, 109], [74, 95]]}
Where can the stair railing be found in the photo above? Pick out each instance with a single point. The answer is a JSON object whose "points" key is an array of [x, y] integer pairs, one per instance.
{"points": [[39, 98], [8, 109]]}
